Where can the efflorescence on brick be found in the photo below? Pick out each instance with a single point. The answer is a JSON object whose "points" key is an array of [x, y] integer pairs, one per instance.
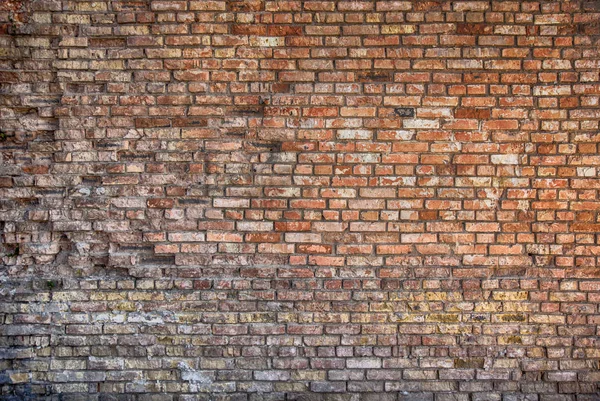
{"points": [[300, 200]]}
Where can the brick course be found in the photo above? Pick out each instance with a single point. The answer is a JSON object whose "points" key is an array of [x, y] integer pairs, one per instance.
{"points": [[300, 200]]}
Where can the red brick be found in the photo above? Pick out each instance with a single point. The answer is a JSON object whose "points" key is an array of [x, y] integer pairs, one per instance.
{"points": [[161, 203], [363, 195]]}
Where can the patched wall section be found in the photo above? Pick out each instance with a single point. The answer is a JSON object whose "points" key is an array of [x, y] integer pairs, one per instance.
{"points": [[335, 200]]}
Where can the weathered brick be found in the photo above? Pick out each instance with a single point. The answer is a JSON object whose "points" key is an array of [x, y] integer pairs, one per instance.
{"points": [[327, 200]]}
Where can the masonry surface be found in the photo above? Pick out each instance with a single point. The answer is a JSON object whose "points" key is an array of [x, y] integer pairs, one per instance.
{"points": [[299, 200]]}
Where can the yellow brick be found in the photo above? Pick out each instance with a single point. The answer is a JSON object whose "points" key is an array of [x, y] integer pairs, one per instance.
{"points": [[397, 29], [510, 295]]}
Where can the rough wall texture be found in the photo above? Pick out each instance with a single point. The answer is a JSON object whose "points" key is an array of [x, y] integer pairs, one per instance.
{"points": [[309, 200]]}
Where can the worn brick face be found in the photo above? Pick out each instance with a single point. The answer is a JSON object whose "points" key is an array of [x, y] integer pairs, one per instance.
{"points": [[300, 200]]}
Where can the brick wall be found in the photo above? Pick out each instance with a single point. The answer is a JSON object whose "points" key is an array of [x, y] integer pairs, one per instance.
{"points": [[300, 200]]}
